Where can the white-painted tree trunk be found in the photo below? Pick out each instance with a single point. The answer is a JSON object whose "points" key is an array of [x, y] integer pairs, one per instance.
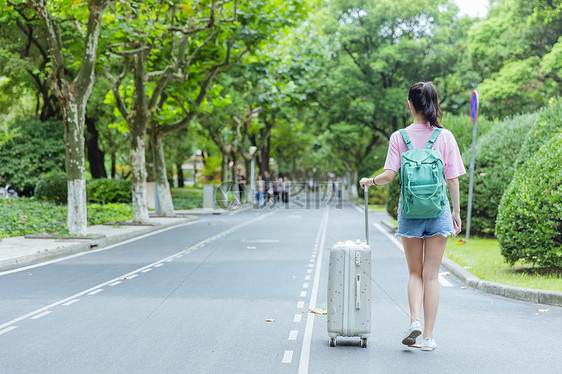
{"points": [[77, 207], [165, 205], [140, 205], [75, 169], [353, 183]]}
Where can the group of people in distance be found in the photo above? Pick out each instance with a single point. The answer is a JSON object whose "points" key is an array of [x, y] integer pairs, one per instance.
{"points": [[267, 189]]}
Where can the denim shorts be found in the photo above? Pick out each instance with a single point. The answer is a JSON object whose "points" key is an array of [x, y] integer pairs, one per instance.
{"points": [[425, 227]]}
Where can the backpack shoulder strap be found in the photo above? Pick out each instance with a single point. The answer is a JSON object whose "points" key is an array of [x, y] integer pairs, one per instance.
{"points": [[433, 138], [406, 139]]}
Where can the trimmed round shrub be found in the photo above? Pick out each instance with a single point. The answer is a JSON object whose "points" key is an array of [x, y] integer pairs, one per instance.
{"points": [[495, 165], [103, 191], [52, 187], [548, 123], [529, 224]]}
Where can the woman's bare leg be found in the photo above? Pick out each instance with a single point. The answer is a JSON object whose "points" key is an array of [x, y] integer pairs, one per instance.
{"points": [[413, 248], [433, 253]]}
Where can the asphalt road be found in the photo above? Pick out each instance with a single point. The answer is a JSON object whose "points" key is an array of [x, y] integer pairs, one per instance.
{"points": [[197, 299]]}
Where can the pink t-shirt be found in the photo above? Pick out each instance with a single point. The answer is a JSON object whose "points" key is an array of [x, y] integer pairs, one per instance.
{"points": [[419, 135]]}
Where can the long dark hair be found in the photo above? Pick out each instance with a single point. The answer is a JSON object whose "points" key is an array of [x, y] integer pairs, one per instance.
{"points": [[423, 96]]}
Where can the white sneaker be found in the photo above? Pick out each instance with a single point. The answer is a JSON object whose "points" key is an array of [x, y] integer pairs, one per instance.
{"points": [[428, 345], [412, 333]]}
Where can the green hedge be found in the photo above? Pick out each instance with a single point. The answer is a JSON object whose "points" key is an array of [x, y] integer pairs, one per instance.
{"points": [[529, 224], [495, 165], [35, 149], [187, 198], [105, 191], [53, 187], [548, 122], [22, 216]]}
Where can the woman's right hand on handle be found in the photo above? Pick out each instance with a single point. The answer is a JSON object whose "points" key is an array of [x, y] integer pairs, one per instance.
{"points": [[366, 182]]}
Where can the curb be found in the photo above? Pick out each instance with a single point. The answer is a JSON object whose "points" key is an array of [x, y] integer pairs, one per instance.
{"points": [[512, 292], [531, 295], [83, 247]]}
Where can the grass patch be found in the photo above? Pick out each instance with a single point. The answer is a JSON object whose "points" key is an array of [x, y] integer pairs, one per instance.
{"points": [[23, 216], [187, 198], [482, 258], [377, 207]]}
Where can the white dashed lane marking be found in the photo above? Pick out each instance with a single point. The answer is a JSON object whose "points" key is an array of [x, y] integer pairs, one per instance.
{"points": [[287, 357], [71, 302], [41, 314], [95, 292], [8, 329]]}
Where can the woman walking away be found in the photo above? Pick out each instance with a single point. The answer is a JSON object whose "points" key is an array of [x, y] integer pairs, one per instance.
{"points": [[425, 236]]}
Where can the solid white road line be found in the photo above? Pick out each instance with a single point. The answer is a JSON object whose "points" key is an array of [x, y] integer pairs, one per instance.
{"points": [[391, 237], [297, 318], [41, 315], [71, 302], [8, 329], [444, 282], [287, 357], [95, 292], [129, 275], [307, 336], [97, 250]]}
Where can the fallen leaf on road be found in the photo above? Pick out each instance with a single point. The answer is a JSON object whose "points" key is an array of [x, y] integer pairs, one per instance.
{"points": [[318, 311], [460, 242], [270, 320], [250, 247], [542, 310], [463, 286], [292, 277], [29, 274]]}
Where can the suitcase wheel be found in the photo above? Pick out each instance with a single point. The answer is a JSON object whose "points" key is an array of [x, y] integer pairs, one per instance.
{"points": [[363, 342], [332, 342]]}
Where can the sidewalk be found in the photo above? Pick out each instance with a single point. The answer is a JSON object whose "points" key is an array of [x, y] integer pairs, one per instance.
{"points": [[20, 251]]}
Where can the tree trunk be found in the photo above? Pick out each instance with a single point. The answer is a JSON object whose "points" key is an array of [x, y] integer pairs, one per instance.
{"points": [[75, 168], [113, 164], [179, 171], [165, 206], [95, 155], [138, 143], [353, 175], [73, 96]]}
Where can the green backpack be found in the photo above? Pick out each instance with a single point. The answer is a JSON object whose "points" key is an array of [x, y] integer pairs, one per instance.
{"points": [[422, 180]]}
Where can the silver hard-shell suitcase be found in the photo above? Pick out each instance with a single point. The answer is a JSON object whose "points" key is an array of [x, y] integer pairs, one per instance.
{"points": [[349, 289]]}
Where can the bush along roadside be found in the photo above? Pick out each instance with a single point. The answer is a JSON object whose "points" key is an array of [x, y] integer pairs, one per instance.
{"points": [[529, 224], [53, 187], [23, 216]]}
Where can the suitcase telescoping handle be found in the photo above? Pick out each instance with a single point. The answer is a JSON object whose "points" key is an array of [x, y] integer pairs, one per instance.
{"points": [[367, 214]]}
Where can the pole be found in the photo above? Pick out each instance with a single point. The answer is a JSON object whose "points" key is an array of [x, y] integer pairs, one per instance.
{"points": [[252, 181], [367, 214], [471, 183]]}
